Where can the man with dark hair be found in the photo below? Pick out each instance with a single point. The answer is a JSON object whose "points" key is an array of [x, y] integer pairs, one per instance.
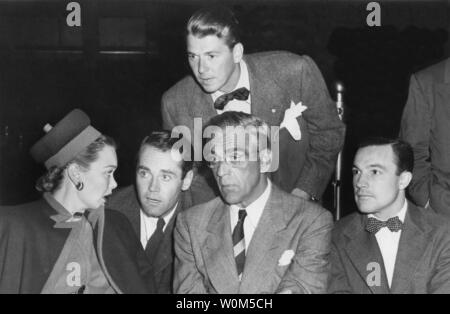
{"points": [[162, 174], [282, 88], [391, 246], [425, 125], [255, 238]]}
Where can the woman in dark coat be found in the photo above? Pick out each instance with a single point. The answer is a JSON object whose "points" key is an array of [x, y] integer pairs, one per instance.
{"points": [[66, 242]]}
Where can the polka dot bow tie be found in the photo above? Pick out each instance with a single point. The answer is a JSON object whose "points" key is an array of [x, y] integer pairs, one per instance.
{"points": [[374, 225], [239, 94]]}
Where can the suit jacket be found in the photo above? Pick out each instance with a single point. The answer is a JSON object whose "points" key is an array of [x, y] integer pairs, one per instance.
{"points": [[276, 79], [30, 247], [425, 125], [204, 261], [126, 201], [423, 257]]}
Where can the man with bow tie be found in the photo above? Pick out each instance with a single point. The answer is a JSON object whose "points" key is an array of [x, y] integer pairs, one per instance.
{"points": [[265, 85], [391, 246]]}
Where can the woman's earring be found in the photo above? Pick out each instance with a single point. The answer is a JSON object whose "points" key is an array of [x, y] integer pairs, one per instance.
{"points": [[79, 186]]}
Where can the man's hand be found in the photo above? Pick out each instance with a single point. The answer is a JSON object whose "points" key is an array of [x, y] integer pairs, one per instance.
{"points": [[302, 194]]}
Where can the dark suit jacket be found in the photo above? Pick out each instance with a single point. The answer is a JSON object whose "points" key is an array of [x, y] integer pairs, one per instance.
{"points": [[289, 227], [425, 125], [30, 247], [423, 256], [276, 79], [126, 201]]}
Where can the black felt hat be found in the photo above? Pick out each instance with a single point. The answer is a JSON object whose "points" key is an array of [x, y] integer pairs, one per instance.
{"points": [[65, 140]]}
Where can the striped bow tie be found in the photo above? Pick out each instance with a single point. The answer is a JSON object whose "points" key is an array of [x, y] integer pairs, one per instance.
{"points": [[374, 225]]}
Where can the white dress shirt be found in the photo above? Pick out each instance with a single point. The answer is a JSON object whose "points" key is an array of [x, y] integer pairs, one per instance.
{"points": [[148, 225], [388, 243], [237, 105], [254, 212]]}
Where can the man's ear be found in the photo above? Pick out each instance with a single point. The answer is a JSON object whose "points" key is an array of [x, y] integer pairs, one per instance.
{"points": [[238, 52], [265, 157], [74, 173], [187, 180], [405, 179]]}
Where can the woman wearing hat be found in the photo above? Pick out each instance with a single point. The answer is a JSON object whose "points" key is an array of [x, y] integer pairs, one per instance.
{"points": [[66, 242]]}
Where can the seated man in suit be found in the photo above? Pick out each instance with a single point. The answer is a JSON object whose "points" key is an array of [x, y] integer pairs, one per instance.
{"points": [[162, 174], [392, 246], [255, 238]]}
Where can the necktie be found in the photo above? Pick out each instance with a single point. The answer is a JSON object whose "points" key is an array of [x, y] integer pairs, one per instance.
{"points": [[374, 225], [239, 94], [156, 238], [239, 242]]}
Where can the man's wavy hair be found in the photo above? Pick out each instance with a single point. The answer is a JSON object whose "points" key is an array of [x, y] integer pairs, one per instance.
{"points": [[217, 21]]}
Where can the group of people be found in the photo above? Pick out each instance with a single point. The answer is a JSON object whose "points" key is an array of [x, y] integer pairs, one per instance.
{"points": [[246, 218]]}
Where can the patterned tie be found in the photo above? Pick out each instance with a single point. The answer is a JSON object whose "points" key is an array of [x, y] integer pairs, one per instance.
{"points": [[156, 238], [374, 225], [239, 242], [239, 94]]}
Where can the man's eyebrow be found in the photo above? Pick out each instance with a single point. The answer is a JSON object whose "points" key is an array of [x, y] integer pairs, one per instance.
{"points": [[377, 166], [143, 167], [167, 171], [371, 166]]}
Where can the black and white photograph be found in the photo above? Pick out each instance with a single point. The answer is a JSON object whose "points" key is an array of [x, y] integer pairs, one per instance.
{"points": [[224, 147]]}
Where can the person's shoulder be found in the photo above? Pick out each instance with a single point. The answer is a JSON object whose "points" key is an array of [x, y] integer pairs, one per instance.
{"points": [[21, 215], [116, 218], [434, 221], [121, 197], [200, 212], [348, 224], [179, 89], [278, 57], [296, 206]]}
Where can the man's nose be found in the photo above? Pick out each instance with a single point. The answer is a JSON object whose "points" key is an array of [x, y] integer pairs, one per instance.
{"points": [[222, 168], [154, 184], [360, 181], [202, 66], [113, 183]]}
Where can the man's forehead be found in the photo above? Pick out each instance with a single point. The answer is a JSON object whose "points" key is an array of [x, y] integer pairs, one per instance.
{"points": [[235, 141], [205, 43], [151, 155], [375, 155]]}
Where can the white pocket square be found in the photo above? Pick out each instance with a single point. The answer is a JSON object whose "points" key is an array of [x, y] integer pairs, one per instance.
{"points": [[286, 258], [290, 119]]}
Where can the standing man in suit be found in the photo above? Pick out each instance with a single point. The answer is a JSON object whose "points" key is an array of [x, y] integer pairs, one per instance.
{"points": [[255, 238], [392, 246], [162, 174], [425, 125], [279, 87]]}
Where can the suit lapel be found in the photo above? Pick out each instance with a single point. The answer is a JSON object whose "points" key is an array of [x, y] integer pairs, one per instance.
{"points": [[362, 249], [268, 234], [411, 248], [219, 259], [266, 95], [202, 105]]}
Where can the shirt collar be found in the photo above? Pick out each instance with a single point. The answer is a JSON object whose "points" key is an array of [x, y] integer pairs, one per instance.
{"points": [[166, 217], [62, 214], [255, 209], [243, 81], [401, 214]]}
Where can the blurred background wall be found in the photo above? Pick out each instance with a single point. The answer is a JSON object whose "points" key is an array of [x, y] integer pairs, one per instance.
{"points": [[127, 53]]}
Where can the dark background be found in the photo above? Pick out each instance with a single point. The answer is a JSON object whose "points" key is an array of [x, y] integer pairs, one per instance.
{"points": [[127, 53]]}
